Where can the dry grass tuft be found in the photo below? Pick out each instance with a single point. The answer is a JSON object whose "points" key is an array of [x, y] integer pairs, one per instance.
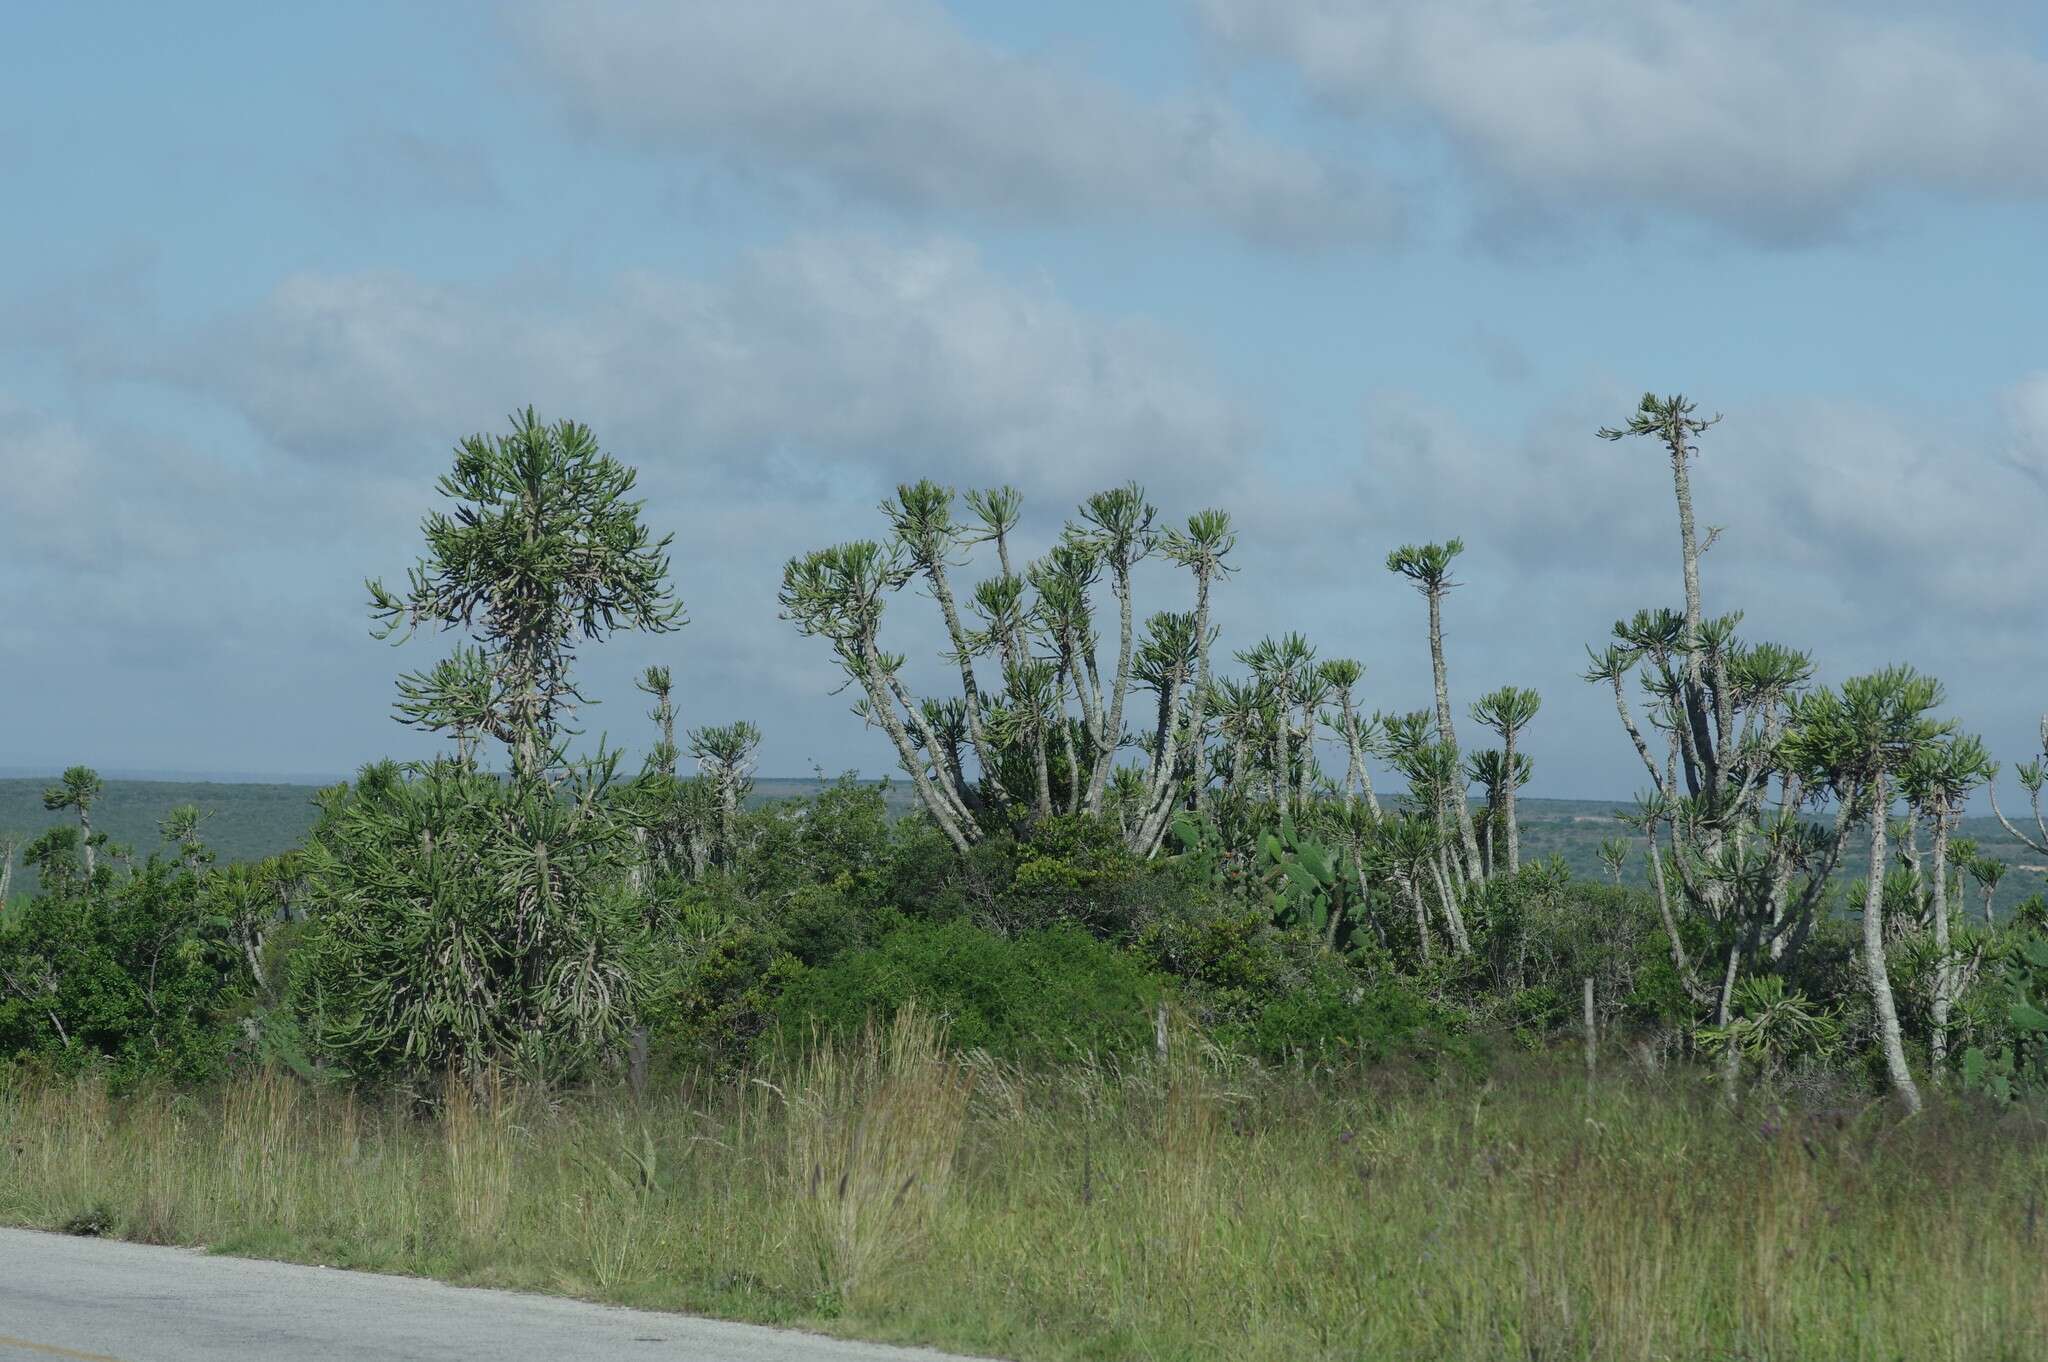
{"points": [[873, 1128]]}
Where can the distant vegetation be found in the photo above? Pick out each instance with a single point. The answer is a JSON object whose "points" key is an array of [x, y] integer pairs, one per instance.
{"points": [[1146, 917]]}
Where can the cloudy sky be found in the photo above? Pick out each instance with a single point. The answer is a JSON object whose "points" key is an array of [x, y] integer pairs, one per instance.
{"points": [[1360, 273]]}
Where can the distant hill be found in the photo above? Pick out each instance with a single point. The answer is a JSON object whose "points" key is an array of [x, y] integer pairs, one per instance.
{"points": [[252, 820]]}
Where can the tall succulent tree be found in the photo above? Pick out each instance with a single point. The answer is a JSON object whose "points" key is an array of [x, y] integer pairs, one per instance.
{"points": [[1724, 821], [1491, 768], [1288, 685], [1859, 741], [468, 922], [1937, 781], [1117, 526], [1000, 749], [839, 594], [1428, 567], [921, 517], [1987, 873], [180, 828], [1341, 676], [725, 754], [80, 787], [545, 547], [1508, 711], [2033, 775], [1201, 548], [1613, 855]]}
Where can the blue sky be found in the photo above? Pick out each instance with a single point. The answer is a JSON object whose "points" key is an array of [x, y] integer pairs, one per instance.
{"points": [[1361, 274]]}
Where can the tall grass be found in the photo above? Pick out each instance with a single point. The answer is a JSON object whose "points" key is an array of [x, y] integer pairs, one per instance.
{"points": [[1195, 1207]]}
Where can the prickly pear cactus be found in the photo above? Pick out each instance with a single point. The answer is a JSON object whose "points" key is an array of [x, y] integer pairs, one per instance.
{"points": [[2015, 1064], [1303, 879]]}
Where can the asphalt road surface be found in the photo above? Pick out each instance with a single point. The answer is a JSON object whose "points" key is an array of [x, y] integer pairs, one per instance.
{"points": [[91, 1300]]}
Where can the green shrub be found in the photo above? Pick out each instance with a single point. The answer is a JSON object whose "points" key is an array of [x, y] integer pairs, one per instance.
{"points": [[1336, 1018], [719, 993], [130, 974], [1042, 994]]}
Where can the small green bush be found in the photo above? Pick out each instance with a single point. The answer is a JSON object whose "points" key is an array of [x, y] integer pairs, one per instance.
{"points": [[1338, 1019], [1043, 994]]}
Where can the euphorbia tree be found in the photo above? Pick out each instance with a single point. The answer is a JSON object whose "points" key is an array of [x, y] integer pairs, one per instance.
{"points": [[467, 922], [1508, 711], [545, 546], [1360, 734], [1179, 755], [1937, 781], [79, 788], [1724, 814], [725, 754], [1037, 625], [1428, 566], [2033, 775], [1117, 527], [1859, 741]]}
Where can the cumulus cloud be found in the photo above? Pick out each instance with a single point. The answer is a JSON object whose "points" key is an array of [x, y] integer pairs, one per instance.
{"points": [[892, 101], [768, 407], [1778, 121], [820, 360]]}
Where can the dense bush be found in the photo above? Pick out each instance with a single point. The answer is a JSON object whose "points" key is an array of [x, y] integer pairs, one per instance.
{"points": [[1049, 993], [135, 974], [1334, 1018]]}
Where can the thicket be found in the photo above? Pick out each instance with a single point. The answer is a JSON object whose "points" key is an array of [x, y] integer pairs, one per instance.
{"points": [[1112, 829]]}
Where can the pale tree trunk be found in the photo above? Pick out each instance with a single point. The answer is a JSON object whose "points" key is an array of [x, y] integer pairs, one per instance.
{"points": [[1067, 739], [1466, 832], [1354, 764], [1305, 786], [1372, 801], [1508, 784], [883, 707], [1689, 546], [1282, 781], [1152, 833], [1160, 783], [728, 815], [970, 690], [1113, 729], [1454, 920], [1414, 893], [1945, 966], [1873, 953], [1040, 764]]}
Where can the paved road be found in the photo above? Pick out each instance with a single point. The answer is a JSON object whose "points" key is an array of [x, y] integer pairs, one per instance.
{"points": [[90, 1300]]}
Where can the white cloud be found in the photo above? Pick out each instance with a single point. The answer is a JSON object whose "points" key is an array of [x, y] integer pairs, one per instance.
{"points": [[817, 363], [767, 407], [1778, 120], [890, 100]]}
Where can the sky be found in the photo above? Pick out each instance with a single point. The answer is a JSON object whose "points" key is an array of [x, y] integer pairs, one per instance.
{"points": [[1360, 274]]}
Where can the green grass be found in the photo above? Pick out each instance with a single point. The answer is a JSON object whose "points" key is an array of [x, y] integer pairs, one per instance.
{"points": [[1191, 1209]]}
